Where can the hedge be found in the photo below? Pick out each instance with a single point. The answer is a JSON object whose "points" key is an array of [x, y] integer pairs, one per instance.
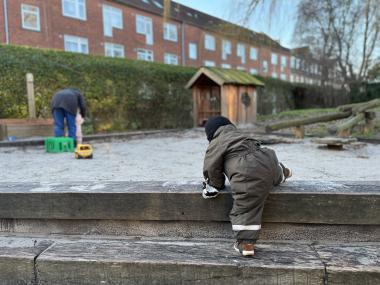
{"points": [[121, 94], [127, 94], [278, 96]]}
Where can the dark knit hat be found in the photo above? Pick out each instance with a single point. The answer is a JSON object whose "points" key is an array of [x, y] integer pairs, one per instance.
{"points": [[213, 124]]}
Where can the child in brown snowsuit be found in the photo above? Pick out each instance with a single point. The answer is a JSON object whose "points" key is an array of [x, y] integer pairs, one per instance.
{"points": [[252, 170]]}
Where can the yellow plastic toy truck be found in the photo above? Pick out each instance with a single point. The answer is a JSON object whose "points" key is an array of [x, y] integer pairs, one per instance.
{"points": [[83, 151]]}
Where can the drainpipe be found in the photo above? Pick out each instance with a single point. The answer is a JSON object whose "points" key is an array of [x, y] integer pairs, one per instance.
{"points": [[183, 44], [6, 22]]}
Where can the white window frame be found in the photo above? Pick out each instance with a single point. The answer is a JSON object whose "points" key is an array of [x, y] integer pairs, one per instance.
{"points": [[274, 58], [265, 66], [292, 62], [24, 11], [111, 48], [144, 26], [226, 65], [110, 14], [77, 4], [209, 63], [226, 49], [193, 51], [145, 54], [170, 32], [79, 41], [253, 53], [171, 58], [284, 61], [298, 63], [240, 52], [210, 42]]}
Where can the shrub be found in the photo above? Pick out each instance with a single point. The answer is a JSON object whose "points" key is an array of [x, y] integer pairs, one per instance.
{"points": [[121, 94]]}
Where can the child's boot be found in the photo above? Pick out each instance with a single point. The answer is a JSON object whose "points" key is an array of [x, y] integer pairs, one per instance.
{"points": [[245, 249], [287, 172]]}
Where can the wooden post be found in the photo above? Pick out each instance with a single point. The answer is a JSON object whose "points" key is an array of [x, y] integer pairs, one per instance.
{"points": [[3, 132], [31, 99], [369, 122], [299, 132]]}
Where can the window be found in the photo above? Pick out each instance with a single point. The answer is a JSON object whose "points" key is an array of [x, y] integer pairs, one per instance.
{"points": [[112, 18], [265, 66], [226, 49], [240, 68], [144, 54], [226, 65], [193, 51], [209, 42], [253, 71], [253, 53], [283, 60], [209, 63], [170, 32], [76, 44], [292, 79], [30, 17], [274, 59], [144, 26], [274, 74], [74, 9], [283, 63], [283, 76], [293, 62], [241, 52], [113, 50], [298, 63], [171, 58]]}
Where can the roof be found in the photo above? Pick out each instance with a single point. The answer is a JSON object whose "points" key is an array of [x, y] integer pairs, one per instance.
{"points": [[225, 76], [196, 18]]}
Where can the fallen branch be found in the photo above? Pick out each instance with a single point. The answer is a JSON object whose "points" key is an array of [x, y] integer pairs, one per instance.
{"points": [[359, 107]]}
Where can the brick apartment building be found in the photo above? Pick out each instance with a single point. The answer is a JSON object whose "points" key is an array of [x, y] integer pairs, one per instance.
{"points": [[143, 29]]}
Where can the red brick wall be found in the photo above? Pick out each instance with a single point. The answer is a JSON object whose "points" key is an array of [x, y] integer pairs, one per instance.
{"points": [[54, 26]]}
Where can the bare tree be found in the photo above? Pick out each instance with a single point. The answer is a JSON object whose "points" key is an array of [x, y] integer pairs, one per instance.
{"points": [[341, 32]]}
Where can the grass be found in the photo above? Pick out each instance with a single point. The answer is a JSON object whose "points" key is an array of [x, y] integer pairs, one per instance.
{"points": [[295, 114]]}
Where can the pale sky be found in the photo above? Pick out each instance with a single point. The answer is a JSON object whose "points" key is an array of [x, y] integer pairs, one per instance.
{"points": [[276, 18]]}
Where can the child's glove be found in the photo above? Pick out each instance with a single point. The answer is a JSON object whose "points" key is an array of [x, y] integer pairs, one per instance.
{"points": [[209, 191]]}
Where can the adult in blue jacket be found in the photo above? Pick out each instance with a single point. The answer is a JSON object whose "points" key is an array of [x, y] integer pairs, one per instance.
{"points": [[65, 105]]}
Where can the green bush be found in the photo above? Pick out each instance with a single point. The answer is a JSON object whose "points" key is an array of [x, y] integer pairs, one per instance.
{"points": [[278, 96], [126, 94], [365, 92], [121, 94]]}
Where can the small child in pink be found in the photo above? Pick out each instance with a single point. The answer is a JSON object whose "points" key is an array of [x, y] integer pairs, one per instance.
{"points": [[78, 122]]}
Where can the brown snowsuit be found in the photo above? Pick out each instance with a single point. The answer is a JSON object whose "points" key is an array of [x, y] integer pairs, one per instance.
{"points": [[252, 170]]}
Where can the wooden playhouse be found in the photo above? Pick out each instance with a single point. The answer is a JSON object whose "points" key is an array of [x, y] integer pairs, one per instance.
{"points": [[226, 92]]}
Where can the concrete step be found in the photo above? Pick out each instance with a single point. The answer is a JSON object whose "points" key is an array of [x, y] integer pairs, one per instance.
{"points": [[67, 260], [346, 211]]}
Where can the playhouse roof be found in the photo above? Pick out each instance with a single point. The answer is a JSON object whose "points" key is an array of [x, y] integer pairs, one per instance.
{"points": [[225, 76]]}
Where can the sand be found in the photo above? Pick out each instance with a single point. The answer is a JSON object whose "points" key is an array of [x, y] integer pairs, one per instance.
{"points": [[178, 158]]}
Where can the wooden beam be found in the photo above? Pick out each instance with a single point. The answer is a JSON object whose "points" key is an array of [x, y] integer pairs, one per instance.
{"points": [[343, 129], [307, 121]]}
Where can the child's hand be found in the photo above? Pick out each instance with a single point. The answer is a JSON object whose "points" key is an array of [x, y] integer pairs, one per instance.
{"points": [[209, 191]]}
